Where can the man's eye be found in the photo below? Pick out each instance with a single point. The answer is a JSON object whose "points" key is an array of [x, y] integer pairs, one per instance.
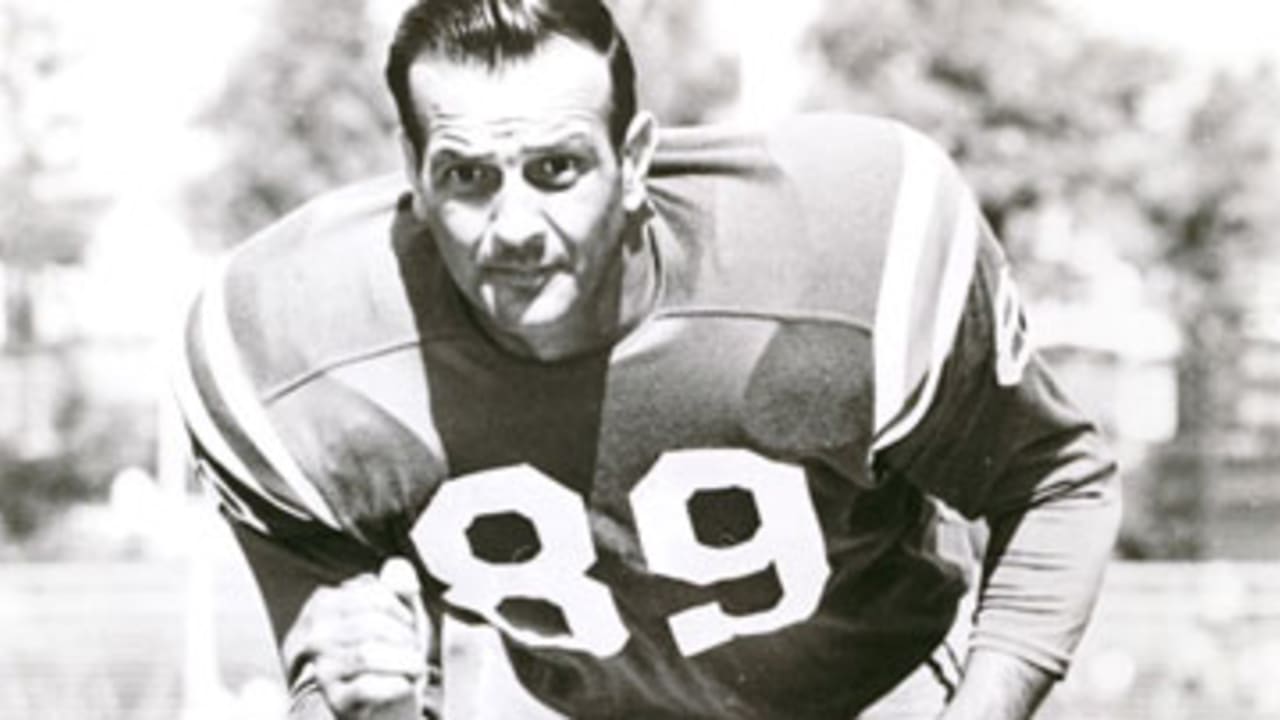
{"points": [[468, 178], [554, 171]]}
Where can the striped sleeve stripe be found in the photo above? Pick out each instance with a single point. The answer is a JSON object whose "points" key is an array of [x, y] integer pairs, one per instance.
{"points": [[920, 304], [951, 301], [196, 416], [188, 377], [232, 403], [931, 270], [911, 223], [235, 503]]}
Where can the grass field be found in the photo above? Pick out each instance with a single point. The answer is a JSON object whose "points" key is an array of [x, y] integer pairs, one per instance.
{"points": [[175, 639]]}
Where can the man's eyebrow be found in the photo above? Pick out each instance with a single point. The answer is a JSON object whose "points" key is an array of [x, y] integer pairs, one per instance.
{"points": [[451, 149], [576, 139], [451, 152]]}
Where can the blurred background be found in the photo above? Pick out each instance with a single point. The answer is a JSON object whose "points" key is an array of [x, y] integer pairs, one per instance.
{"points": [[1125, 151]]}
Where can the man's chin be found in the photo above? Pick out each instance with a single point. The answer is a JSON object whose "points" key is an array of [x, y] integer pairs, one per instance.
{"points": [[520, 318], [515, 311], [532, 321]]}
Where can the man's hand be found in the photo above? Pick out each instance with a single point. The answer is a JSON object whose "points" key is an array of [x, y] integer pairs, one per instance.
{"points": [[997, 686], [365, 643]]}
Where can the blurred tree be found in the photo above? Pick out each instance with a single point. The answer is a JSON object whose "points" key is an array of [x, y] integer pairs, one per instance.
{"points": [[57, 446], [1048, 121], [1212, 197], [44, 213], [96, 440], [681, 76], [1031, 106], [304, 111]]}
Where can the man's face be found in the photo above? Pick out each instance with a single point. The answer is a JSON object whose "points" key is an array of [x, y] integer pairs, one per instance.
{"points": [[520, 184]]}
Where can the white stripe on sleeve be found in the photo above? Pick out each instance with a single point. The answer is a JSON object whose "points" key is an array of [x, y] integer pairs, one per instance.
{"points": [[911, 220], [245, 406], [962, 256]]}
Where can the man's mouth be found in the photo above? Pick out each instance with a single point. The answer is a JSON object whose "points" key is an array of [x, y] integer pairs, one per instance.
{"points": [[521, 276]]}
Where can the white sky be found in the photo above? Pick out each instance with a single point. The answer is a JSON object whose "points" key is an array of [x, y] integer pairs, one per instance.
{"points": [[142, 87]]}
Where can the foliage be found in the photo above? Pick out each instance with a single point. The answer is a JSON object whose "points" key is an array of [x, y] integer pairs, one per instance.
{"points": [[43, 214], [679, 77], [1030, 106], [304, 111], [96, 437], [46, 212]]}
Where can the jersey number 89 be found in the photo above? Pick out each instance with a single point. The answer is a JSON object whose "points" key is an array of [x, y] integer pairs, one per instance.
{"points": [[788, 539]]}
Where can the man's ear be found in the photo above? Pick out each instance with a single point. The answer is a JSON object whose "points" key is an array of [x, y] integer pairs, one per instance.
{"points": [[637, 153], [413, 172]]}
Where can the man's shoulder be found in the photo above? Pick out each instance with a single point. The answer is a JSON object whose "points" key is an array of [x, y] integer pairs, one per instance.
{"points": [[815, 125], [321, 283], [827, 138], [334, 221], [316, 293], [827, 142], [819, 199], [847, 173]]}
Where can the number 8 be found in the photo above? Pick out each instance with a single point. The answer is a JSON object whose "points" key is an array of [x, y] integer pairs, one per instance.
{"points": [[557, 573]]}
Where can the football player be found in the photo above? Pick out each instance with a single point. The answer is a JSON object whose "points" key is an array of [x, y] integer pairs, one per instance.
{"points": [[683, 424]]}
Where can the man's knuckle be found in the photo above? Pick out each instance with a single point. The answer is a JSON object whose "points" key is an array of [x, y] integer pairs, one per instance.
{"points": [[373, 689], [327, 672], [362, 657]]}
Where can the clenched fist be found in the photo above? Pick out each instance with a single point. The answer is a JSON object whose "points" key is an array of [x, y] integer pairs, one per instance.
{"points": [[366, 644]]}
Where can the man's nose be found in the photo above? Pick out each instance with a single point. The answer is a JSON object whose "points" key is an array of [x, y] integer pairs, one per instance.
{"points": [[518, 224]]}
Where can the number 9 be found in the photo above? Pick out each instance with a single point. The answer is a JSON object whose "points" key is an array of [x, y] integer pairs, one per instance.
{"points": [[789, 538]]}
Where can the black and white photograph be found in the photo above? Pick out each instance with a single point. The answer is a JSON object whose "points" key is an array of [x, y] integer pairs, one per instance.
{"points": [[639, 359]]}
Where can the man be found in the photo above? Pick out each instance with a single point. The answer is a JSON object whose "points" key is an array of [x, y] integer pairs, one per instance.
{"points": [[683, 418]]}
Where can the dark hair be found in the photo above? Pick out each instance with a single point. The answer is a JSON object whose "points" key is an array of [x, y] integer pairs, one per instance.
{"points": [[494, 32]]}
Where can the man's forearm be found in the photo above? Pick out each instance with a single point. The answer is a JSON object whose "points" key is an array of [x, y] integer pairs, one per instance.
{"points": [[1044, 569], [998, 686]]}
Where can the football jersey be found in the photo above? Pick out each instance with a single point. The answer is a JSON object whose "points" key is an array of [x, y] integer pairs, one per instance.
{"points": [[732, 512]]}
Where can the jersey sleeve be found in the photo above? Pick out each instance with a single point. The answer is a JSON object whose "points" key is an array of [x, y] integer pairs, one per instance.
{"points": [[257, 478], [964, 406], [285, 529], [968, 411]]}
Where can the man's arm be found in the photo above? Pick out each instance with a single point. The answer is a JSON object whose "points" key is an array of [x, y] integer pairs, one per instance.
{"points": [[1039, 475], [347, 641], [998, 686], [1041, 577], [1020, 457], [967, 411]]}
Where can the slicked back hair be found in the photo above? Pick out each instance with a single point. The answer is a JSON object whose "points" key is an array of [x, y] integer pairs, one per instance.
{"points": [[498, 32]]}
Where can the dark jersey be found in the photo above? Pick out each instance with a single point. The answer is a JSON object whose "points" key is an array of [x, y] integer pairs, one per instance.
{"points": [[732, 512]]}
